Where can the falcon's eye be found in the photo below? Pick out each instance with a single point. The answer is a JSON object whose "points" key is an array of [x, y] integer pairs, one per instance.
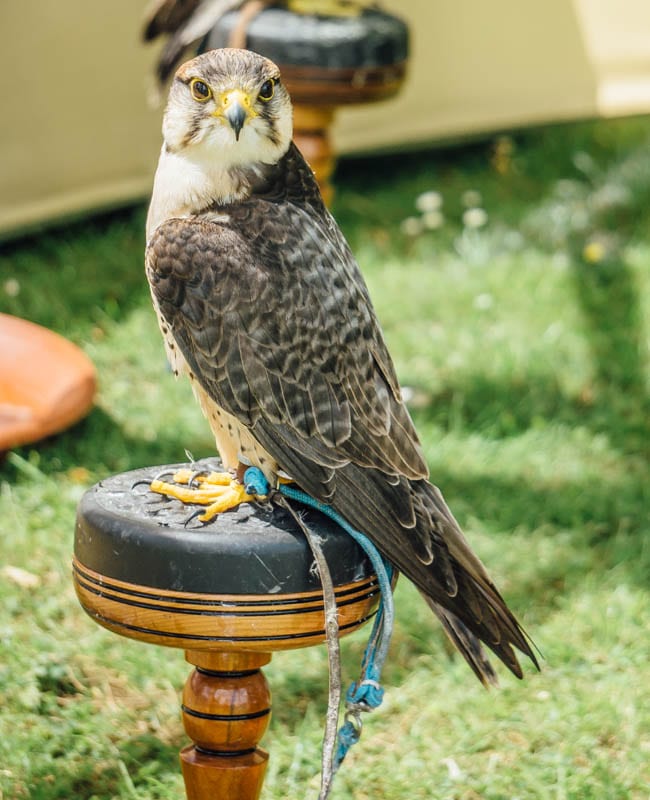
{"points": [[267, 89], [200, 90]]}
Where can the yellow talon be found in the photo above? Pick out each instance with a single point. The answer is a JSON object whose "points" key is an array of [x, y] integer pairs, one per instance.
{"points": [[219, 491], [186, 476], [232, 497]]}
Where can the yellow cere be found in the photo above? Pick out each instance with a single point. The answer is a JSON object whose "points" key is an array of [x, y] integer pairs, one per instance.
{"points": [[235, 97]]}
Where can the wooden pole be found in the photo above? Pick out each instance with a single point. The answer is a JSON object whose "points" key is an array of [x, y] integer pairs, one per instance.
{"points": [[311, 132], [226, 710]]}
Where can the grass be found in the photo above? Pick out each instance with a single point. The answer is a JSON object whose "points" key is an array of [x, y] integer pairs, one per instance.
{"points": [[523, 341]]}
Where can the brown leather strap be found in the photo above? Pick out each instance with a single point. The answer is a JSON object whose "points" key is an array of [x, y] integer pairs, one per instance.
{"points": [[247, 14]]}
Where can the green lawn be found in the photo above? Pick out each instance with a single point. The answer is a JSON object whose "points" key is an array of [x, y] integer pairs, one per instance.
{"points": [[523, 335]]}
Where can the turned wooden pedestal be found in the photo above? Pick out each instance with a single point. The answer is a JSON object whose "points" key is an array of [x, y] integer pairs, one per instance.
{"points": [[229, 594], [226, 710]]}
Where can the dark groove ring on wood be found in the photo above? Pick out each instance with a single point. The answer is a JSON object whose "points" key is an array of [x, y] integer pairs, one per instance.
{"points": [[288, 621], [225, 717], [222, 605], [225, 753]]}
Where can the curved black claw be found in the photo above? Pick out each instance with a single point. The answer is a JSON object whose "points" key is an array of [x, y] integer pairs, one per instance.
{"points": [[166, 473], [193, 516], [140, 483], [195, 475]]}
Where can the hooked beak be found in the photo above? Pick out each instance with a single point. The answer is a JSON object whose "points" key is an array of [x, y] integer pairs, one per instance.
{"points": [[236, 108]]}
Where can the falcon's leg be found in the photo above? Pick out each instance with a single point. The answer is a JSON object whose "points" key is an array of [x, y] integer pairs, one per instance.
{"points": [[219, 491]]}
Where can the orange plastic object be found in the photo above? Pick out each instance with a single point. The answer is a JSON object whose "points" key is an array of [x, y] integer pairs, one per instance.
{"points": [[46, 382]]}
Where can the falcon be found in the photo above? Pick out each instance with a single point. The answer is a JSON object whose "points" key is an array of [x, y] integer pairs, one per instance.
{"points": [[263, 307]]}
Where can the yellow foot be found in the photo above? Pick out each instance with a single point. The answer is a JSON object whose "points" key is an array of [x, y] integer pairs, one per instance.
{"points": [[219, 491]]}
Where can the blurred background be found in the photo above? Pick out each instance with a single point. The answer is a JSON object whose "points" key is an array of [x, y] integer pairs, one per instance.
{"points": [[497, 195], [78, 132]]}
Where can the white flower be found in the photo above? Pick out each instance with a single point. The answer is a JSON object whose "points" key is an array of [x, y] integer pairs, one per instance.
{"points": [[584, 162], [428, 201], [433, 220], [11, 287], [475, 217], [411, 226]]}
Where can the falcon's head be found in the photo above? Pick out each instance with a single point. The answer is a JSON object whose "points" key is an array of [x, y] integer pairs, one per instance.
{"points": [[229, 106]]}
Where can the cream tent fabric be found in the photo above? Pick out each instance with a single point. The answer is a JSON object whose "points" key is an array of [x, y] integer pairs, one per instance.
{"points": [[77, 132]]}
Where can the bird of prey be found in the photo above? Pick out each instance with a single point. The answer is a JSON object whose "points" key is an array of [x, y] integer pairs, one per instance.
{"points": [[263, 306]]}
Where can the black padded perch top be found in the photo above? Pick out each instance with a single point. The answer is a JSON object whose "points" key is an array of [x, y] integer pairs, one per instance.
{"points": [[371, 39], [136, 536]]}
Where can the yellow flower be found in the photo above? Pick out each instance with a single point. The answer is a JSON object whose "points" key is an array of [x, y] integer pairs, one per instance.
{"points": [[79, 475], [593, 252]]}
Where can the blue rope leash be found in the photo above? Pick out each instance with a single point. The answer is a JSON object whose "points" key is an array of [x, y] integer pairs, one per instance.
{"points": [[366, 694]]}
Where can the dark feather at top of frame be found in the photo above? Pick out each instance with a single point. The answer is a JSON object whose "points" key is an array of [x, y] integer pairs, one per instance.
{"points": [[166, 16], [186, 22]]}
